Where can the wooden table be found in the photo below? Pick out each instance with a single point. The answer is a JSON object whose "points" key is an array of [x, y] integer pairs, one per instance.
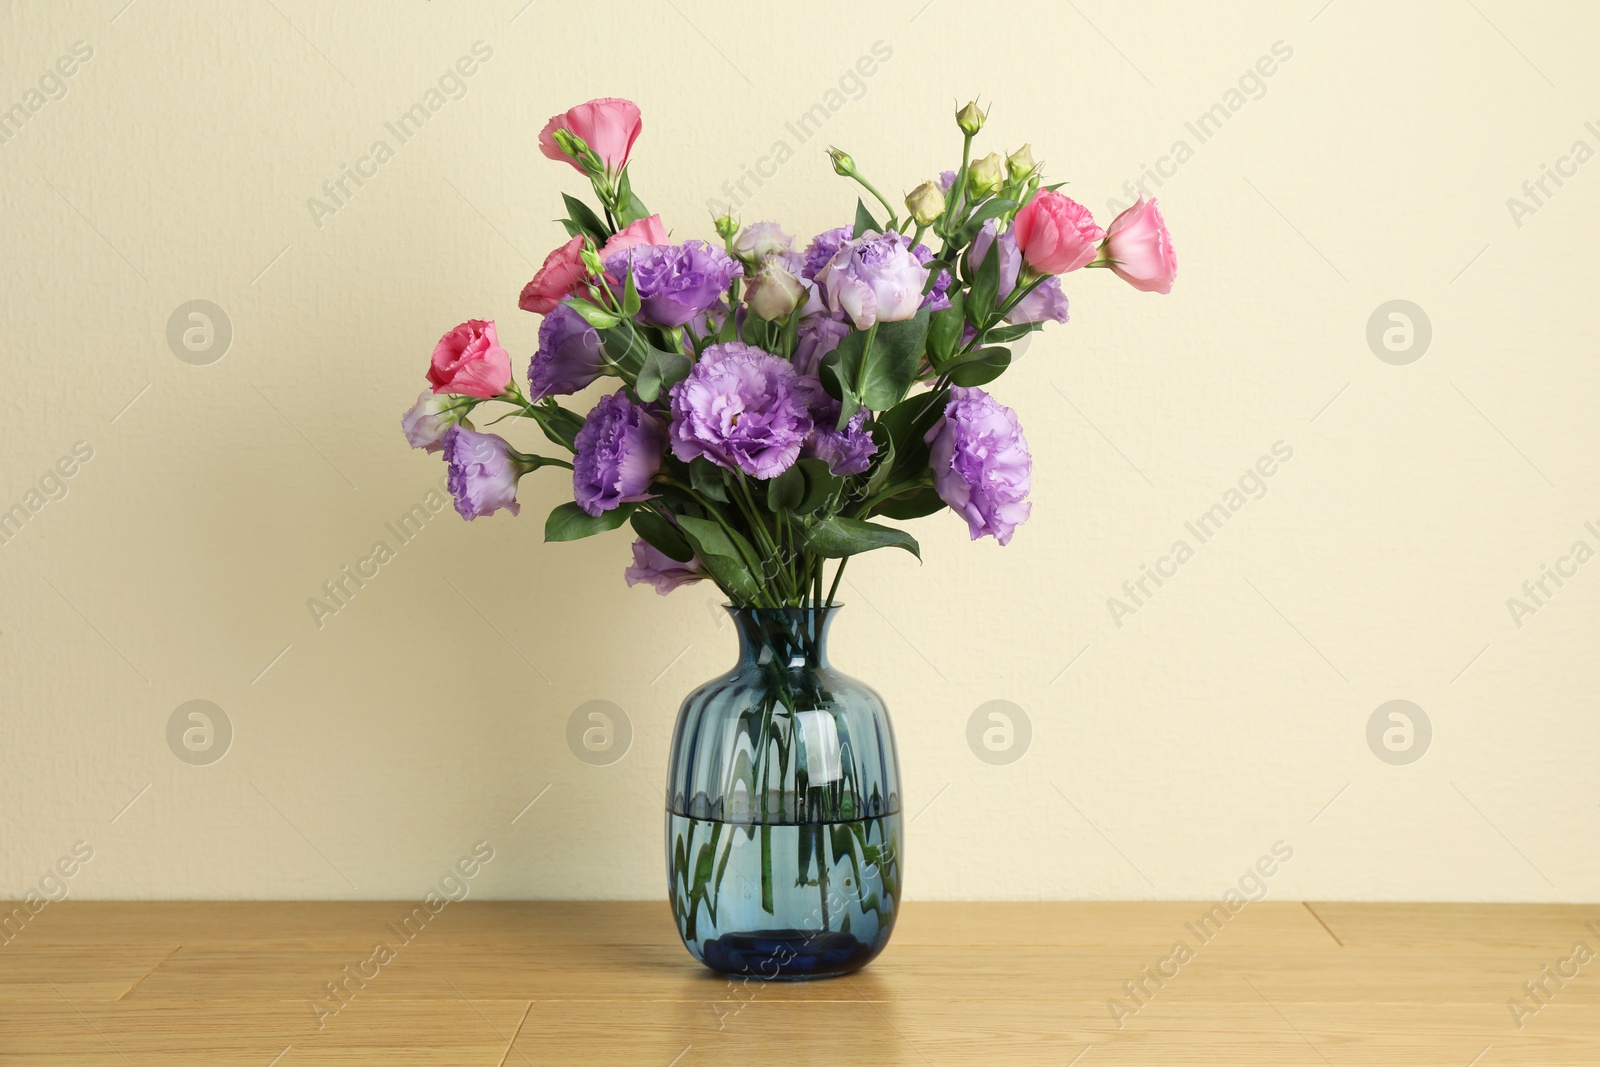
{"points": [[606, 983]]}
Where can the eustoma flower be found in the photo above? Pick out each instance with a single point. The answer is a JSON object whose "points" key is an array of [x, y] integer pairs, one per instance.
{"points": [[743, 409], [1046, 303], [483, 472], [653, 567], [759, 240], [873, 279], [1056, 234], [981, 465], [645, 231], [469, 361], [618, 454], [561, 275], [431, 417], [846, 451], [570, 355], [1140, 248], [609, 126], [675, 282]]}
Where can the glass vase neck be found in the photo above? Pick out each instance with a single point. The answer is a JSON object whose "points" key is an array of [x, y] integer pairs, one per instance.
{"points": [[786, 637]]}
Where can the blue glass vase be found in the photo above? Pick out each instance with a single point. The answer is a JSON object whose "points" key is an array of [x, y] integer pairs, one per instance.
{"points": [[783, 809]]}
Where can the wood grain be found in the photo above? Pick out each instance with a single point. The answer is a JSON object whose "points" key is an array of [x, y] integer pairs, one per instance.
{"points": [[568, 983]]}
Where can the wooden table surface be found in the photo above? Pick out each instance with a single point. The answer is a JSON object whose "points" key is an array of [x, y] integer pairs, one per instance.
{"points": [[607, 983]]}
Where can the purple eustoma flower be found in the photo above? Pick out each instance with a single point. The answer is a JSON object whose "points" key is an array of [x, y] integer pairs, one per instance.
{"points": [[431, 417], [569, 357], [823, 247], [675, 282], [741, 408], [818, 335], [484, 471], [1047, 303], [981, 466], [659, 570], [846, 451], [618, 454], [873, 279]]}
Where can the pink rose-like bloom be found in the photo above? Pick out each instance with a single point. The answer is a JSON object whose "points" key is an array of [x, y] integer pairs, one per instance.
{"points": [[1141, 249], [645, 231], [561, 276], [609, 126], [1056, 234], [470, 362], [659, 570]]}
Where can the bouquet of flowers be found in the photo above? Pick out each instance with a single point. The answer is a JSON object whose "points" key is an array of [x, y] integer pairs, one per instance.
{"points": [[773, 401]]}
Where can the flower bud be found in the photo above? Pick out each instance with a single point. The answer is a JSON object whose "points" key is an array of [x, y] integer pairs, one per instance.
{"points": [[591, 258], [759, 240], [1020, 164], [842, 163], [775, 291], [970, 119], [986, 176], [925, 203], [726, 226]]}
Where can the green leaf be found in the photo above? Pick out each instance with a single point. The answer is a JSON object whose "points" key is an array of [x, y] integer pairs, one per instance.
{"points": [[559, 425], [629, 207], [907, 423], [586, 220], [912, 505], [883, 462], [707, 479], [989, 209], [1003, 334], [893, 363], [661, 371], [838, 536], [944, 330], [726, 557], [865, 223], [985, 288], [664, 536], [786, 491], [630, 297], [982, 367], [594, 315], [626, 347], [569, 522], [821, 485]]}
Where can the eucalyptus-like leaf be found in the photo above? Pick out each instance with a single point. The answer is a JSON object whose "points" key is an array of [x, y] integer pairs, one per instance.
{"points": [[587, 221], [837, 537], [981, 367], [660, 372], [663, 535]]}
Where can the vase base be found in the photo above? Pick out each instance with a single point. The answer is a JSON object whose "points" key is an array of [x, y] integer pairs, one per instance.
{"points": [[788, 955]]}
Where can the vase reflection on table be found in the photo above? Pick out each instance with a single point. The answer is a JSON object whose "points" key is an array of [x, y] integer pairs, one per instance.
{"points": [[783, 809]]}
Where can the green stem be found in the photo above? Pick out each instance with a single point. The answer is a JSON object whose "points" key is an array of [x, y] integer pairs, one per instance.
{"points": [[834, 589]]}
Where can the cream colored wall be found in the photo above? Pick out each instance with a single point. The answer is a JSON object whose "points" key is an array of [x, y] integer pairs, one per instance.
{"points": [[1170, 747]]}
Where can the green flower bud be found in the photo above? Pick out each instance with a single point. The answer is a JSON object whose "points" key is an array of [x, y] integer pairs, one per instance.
{"points": [[925, 202], [986, 176], [970, 119], [1020, 164], [842, 163], [726, 226]]}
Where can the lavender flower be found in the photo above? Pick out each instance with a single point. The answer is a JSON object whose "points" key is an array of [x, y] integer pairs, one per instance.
{"points": [[1047, 303], [484, 471], [981, 466], [656, 568], [618, 453], [675, 282], [823, 247], [947, 181], [569, 356], [873, 279], [741, 408], [846, 451], [818, 335]]}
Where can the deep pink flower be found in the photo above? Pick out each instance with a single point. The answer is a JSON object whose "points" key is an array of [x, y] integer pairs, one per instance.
{"points": [[1056, 234], [561, 276], [609, 126], [470, 362]]}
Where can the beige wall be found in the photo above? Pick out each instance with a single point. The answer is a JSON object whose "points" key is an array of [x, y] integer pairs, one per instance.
{"points": [[1170, 747]]}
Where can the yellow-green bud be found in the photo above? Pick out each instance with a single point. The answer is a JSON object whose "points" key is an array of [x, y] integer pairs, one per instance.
{"points": [[970, 119], [842, 163], [925, 202], [1020, 163], [726, 226], [986, 176], [591, 258]]}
